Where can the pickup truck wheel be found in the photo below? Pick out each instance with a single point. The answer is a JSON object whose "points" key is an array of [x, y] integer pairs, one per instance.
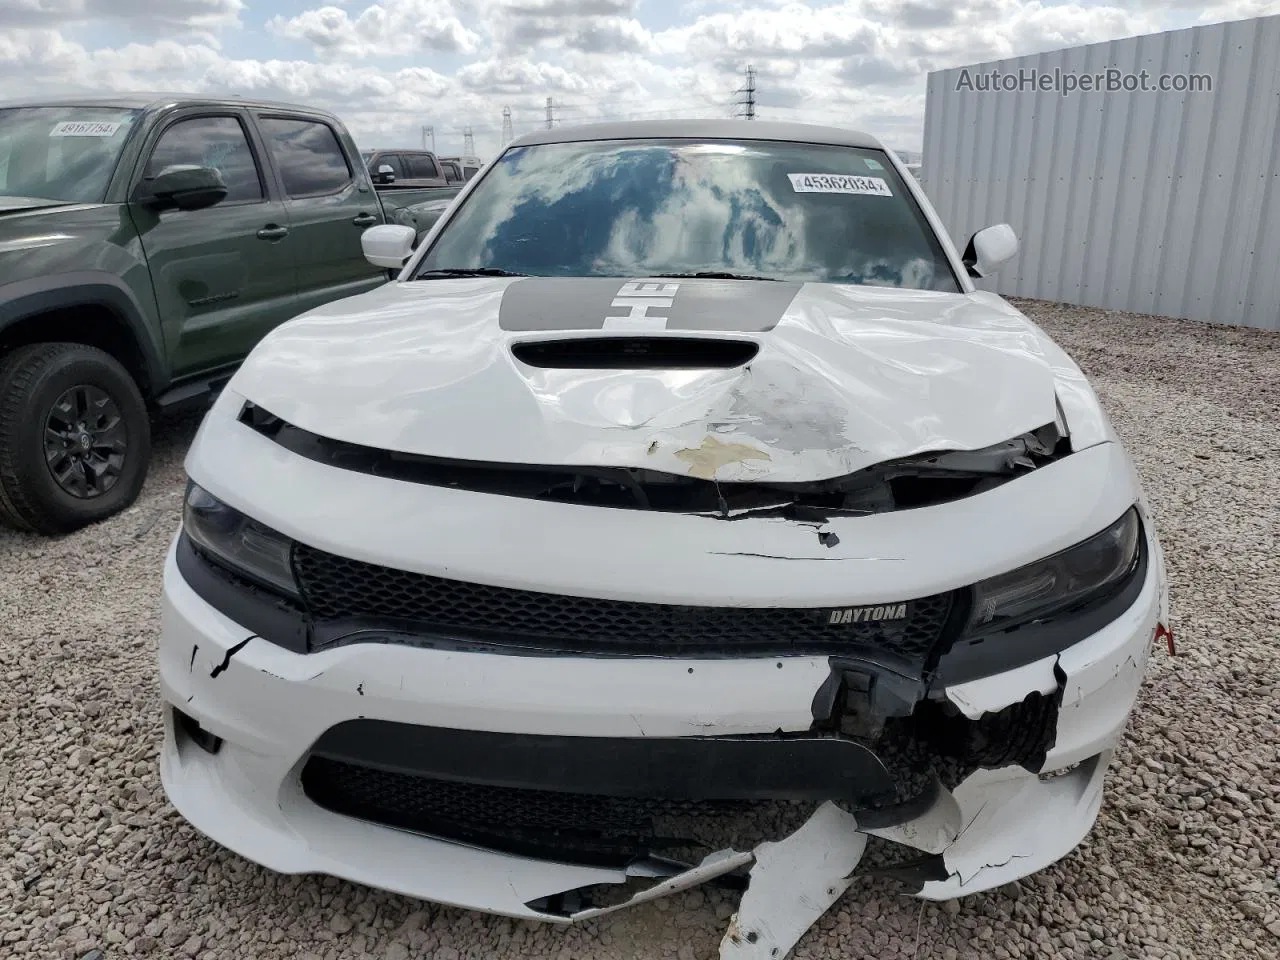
{"points": [[75, 437]]}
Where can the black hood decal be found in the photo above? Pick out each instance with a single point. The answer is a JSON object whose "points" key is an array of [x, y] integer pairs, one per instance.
{"points": [[644, 305]]}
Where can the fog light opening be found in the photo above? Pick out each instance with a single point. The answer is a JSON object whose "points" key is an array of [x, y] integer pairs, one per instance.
{"points": [[188, 728]]}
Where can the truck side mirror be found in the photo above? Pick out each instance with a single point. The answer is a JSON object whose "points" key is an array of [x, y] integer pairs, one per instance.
{"points": [[385, 174], [183, 187], [990, 249], [388, 245]]}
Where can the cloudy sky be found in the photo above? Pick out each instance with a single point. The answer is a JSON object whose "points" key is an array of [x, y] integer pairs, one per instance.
{"points": [[391, 67]]}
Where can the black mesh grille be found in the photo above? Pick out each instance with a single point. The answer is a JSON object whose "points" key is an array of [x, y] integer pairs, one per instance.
{"points": [[571, 827], [339, 588]]}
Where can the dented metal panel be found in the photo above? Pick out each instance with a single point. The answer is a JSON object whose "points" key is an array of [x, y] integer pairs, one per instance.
{"points": [[849, 377]]}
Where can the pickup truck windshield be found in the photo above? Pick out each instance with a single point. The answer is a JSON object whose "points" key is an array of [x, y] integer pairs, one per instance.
{"points": [[61, 153], [627, 208]]}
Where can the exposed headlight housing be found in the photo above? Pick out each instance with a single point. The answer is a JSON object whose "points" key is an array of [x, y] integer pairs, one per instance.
{"points": [[1088, 571], [238, 542]]}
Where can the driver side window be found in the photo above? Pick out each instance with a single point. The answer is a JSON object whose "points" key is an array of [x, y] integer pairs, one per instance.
{"points": [[217, 142]]}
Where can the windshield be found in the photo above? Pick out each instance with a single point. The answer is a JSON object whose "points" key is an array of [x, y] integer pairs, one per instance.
{"points": [[61, 153], [654, 208]]}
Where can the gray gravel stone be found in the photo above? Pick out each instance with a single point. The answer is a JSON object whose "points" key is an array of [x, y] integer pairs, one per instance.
{"points": [[1183, 863]]}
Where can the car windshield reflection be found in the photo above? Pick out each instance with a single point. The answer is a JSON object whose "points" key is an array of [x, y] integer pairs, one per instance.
{"points": [[775, 210]]}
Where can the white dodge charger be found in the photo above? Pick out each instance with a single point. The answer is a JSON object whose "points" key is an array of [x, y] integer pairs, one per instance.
{"points": [[679, 512]]}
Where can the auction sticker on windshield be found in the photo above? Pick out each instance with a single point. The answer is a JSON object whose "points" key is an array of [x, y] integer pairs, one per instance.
{"points": [[837, 183], [84, 128]]}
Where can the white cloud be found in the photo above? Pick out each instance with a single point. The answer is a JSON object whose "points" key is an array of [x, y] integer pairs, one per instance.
{"points": [[390, 67], [391, 28], [1240, 10], [145, 14]]}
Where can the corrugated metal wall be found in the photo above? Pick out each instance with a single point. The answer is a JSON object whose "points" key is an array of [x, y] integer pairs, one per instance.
{"points": [[1164, 203]]}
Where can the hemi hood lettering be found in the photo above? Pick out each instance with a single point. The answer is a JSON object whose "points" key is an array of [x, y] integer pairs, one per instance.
{"points": [[545, 304], [845, 376]]}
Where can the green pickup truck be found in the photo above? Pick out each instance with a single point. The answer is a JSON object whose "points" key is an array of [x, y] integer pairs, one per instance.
{"points": [[146, 245]]}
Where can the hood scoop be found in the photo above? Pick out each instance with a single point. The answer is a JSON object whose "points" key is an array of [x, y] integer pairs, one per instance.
{"points": [[636, 353]]}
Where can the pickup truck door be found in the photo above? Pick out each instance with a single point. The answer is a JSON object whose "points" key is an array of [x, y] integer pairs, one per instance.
{"points": [[330, 202], [223, 276]]}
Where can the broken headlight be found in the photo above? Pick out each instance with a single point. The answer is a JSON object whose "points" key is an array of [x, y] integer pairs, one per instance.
{"points": [[1076, 576], [238, 542]]}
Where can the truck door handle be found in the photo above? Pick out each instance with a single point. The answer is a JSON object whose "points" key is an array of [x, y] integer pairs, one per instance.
{"points": [[365, 220], [273, 231]]}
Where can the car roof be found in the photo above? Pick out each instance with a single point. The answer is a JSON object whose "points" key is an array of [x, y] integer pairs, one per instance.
{"points": [[149, 101], [702, 129]]}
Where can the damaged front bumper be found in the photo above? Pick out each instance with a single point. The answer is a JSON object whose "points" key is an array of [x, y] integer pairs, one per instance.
{"points": [[315, 763]]}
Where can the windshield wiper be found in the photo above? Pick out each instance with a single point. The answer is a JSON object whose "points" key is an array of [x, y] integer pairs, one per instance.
{"points": [[468, 272], [717, 275]]}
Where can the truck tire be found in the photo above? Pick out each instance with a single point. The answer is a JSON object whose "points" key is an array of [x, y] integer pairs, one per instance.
{"points": [[75, 437]]}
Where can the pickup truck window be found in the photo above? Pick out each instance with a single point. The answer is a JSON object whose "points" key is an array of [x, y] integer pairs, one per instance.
{"points": [[420, 167], [61, 153], [392, 160], [309, 156], [217, 142], [666, 208]]}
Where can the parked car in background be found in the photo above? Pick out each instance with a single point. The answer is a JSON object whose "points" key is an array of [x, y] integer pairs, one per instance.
{"points": [[461, 169], [404, 168], [415, 186], [146, 244]]}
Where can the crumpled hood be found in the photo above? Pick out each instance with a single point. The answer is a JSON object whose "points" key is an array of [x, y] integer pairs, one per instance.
{"points": [[845, 376]]}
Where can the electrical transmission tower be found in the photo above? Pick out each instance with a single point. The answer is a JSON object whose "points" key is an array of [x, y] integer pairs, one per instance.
{"points": [[468, 143], [507, 135], [429, 132], [749, 103], [550, 116]]}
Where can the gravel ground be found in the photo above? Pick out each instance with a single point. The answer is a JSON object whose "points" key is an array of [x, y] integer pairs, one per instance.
{"points": [[1183, 862]]}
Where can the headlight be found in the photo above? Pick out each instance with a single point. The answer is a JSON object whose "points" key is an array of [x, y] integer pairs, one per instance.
{"points": [[239, 542], [1057, 583]]}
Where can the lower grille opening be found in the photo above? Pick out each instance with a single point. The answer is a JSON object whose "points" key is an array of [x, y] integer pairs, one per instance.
{"points": [[545, 824], [420, 787]]}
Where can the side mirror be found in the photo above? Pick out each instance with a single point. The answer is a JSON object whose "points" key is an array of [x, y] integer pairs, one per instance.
{"points": [[184, 187], [388, 245], [990, 249], [385, 174]]}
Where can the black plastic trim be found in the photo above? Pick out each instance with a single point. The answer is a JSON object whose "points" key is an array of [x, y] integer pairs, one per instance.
{"points": [[265, 614], [773, 767], [23, 299]]}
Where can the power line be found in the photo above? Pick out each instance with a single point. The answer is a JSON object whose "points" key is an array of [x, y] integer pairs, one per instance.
{"points": [[750, 90], [468, 143], [429, 132], [507, 135], [550, 117]]}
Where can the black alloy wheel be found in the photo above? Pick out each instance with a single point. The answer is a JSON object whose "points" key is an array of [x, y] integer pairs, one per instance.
{"points": [[75, 437], [85, 442]]}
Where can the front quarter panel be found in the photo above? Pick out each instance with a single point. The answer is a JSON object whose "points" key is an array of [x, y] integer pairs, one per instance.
{"points": [[59, 256], [1087, 420]]}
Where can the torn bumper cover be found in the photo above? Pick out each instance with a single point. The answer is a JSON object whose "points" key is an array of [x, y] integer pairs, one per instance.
{"points": [[522, 785]]}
